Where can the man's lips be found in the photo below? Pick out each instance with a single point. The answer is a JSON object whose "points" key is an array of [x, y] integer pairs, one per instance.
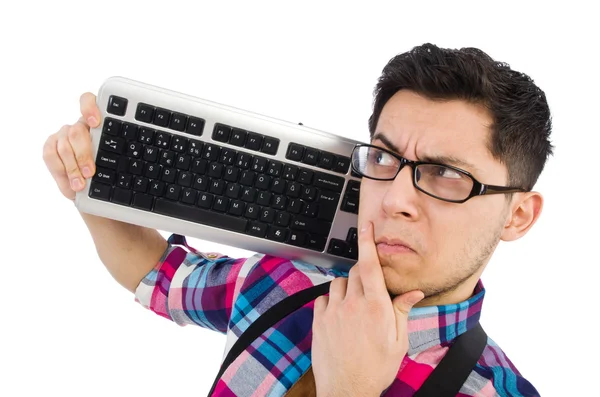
{"points": [[393, 244]]}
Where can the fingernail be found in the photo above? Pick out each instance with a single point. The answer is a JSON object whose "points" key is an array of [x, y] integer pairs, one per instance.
{"points": [[87, 172], [76, 184], [92, 122]]}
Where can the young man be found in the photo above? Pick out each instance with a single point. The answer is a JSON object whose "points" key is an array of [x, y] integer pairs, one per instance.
{"points": [[458, 141]]}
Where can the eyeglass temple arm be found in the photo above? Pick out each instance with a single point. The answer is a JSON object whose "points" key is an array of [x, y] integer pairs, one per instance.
{"points": [[491, 189]]}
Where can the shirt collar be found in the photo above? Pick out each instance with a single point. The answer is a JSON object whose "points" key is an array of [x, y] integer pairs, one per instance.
{"points": [[433, 325]]}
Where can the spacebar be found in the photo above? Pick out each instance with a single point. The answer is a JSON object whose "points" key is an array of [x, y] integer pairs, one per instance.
{"points": [[195, 214]]}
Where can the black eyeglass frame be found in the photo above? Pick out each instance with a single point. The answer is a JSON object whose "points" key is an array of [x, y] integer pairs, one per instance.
{"points": [[479, 189]]}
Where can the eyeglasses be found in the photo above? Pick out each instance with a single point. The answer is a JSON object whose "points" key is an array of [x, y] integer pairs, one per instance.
{"points": [[440, 181]]}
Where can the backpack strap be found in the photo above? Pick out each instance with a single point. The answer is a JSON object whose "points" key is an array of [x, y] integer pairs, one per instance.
{"points": [[456, 366], [277, 312]]}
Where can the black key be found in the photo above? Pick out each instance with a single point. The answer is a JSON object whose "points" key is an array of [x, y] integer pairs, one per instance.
{"points": [[293, 189], [264, 198], [247, 178], [179, 144], [306, 177], [270, 145], [249, 194], [152, 171], [178, 121], [350, 204], [310, 210], [117, 105], [254, 141], [294, 152], [353, 188], [140, 184], [200, 183], [205, 200], [188, 196], [311, 156], [147, 135], [352, 251], [107, 160], [263, 182], [217, 186], [134, 149], [290, 172], [162, 140], [121, 196], [227, 156], [328, 202], [169, 174], [274, 168], [316, 242], [238, 137], [195, 126], [276, 233], [278, 186], [129, 131], [115, 145], [143, 201], [211, 152], [308, 193], [183, 162], [104, 175], [144, 113], [279, 202], [259, 164], [194, 214], [282, 218], [167, 158], [221, 204], [337, 247], [252, 211], [195, 148], [111, 127], [173, 192], [124, 181], [157, 188], [199, 166], [267, 215], [311, 225], [233, 190], [231, 174], [257, 229], [221, 133], [161, 117], [150, 154], [352, 236], [215, 170], [295, 206], [326, 160], [341, 164], [100, 191], [136, 167], [297, 238], [243, 160], [328, 181], [237, 208]]}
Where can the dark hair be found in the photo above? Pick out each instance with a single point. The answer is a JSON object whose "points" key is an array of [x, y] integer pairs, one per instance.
{"points": [[521, 117]]}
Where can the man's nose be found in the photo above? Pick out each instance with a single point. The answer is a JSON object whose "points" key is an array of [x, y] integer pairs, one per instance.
{"points": [[400, 198]]}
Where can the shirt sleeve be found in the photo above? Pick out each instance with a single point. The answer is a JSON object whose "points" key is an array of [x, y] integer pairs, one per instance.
{"points": [[192, 287]]}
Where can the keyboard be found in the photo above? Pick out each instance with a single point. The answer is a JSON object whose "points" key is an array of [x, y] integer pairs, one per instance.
{"points": [[190, 166]]}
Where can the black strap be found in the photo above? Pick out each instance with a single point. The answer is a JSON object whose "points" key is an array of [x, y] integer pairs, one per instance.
{"points": [[456, 366], [277, 312]]}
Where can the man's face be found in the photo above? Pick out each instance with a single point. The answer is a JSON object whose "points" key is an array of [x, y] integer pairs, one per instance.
{"points": [[449, 242]]}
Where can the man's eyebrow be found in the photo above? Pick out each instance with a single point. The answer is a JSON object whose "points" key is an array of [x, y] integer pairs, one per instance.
{"points": [[441, 159]]}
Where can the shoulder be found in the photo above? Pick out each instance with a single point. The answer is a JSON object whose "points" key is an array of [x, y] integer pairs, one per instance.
{"points": [[496, 375]]}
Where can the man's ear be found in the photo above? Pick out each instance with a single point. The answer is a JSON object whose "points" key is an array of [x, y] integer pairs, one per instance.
{"points": [[525, 211]]}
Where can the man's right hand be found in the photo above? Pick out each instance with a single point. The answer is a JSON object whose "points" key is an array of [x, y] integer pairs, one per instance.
{"points": [[68, 152]]}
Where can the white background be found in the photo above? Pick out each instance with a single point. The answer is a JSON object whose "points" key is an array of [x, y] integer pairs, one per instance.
{"points": [[69, 329]]}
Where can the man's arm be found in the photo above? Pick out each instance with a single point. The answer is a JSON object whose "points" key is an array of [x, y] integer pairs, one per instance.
{"points": [[128, 251]]}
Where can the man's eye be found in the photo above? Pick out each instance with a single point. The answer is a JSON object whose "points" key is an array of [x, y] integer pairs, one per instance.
{"points": [[448, 173], [385, 159]]}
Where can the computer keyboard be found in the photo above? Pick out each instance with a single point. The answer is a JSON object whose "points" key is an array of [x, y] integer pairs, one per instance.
{"points": [[190, 166]]}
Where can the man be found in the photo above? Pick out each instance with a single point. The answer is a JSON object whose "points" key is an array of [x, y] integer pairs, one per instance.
{"points": [[458, 141]]}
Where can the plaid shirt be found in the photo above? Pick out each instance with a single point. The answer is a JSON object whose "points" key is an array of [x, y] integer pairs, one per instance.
{"points": [[226, 295]]}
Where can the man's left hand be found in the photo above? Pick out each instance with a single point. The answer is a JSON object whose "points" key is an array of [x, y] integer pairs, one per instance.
{"points": [[359, 334]]}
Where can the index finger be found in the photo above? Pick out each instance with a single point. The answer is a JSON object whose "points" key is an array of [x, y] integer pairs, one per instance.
{"points": [[369, 266], [89, 109]]}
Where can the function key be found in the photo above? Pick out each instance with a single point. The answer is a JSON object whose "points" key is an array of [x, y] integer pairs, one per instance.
{"points": [[341, 164], [161, 117], [238, 137], [254, 141], [294, 152], [270, 145], [178, 121], [326, 160], [144, 113], [111, 127], [117, 105], [311, 156], [221, 133], [195, 126]]}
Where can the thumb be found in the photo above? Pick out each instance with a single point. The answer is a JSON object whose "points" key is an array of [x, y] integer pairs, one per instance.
{"points": [[402, 306]]}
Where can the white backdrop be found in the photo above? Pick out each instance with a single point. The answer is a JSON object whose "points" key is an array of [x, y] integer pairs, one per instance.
{"points": [[69, 329]]}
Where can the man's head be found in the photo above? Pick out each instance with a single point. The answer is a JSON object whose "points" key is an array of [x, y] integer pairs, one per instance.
{"points": [[461, 108]]}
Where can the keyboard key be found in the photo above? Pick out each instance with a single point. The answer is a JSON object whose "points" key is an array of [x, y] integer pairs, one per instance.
{"points": [[121, 196], [353, 188], [112, 144], [337, 247], [352, 236], [297, 238], [129, 131], [254, 141], [100, 191], [144, 113], [143, 201], [310, 156], [326, 160], [195, 126], [111, 127], [316, 242], [178, 121], [116, 105], [104, 175], [146, 136], [257, 229], [107, 160], [350, 204], [198, 215], [221, 133], [238, 137], [341, 164], [161, 117], [328, 181], [295, 152], [276, 233], [270, 145]]}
